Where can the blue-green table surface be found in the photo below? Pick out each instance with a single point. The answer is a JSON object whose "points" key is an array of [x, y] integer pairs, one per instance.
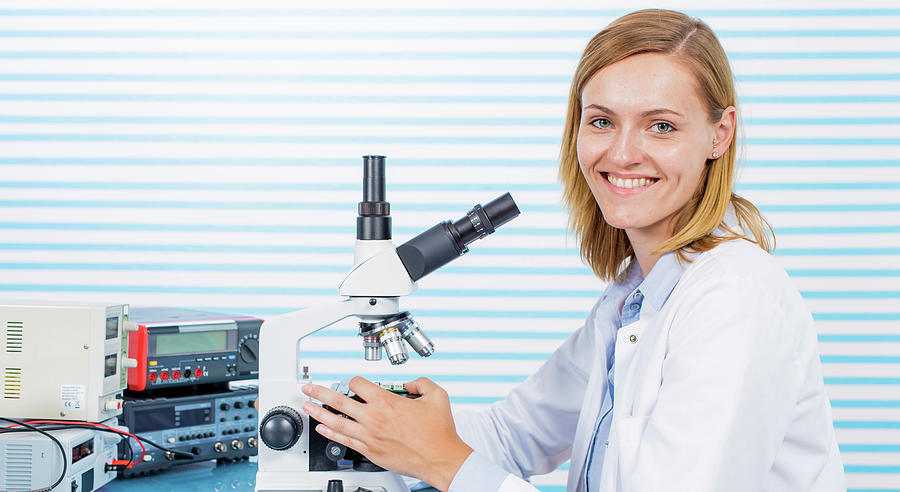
{"points": [[195, 477]]}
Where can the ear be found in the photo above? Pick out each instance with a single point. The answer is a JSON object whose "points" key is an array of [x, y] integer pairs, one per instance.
{"points": [[723, 131]]}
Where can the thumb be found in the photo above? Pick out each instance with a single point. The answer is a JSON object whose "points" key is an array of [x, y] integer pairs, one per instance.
{"points": [[423, 386]]}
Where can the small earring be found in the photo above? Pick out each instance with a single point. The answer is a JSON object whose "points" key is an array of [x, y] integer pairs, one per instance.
{"points": [[715, 154]]}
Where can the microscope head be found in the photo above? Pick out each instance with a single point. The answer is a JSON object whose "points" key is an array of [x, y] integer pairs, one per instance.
{"points": [[381, 270]]}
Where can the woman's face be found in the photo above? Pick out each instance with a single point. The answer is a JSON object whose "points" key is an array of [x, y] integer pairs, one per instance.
{"points": [[643, 140]]}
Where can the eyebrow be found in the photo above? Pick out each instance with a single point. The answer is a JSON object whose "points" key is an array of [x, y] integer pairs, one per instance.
{"points": [[645, 114]]}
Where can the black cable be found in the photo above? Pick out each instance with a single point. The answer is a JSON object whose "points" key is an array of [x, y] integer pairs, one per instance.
{"points": [[81, 425], [62, 450]]}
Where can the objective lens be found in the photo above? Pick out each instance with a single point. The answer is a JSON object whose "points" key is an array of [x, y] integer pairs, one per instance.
{"points": [[417, 338], [372, 348], [393, 344]]}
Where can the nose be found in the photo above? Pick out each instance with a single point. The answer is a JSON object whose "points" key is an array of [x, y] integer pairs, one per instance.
{"points": [[625, 149]]}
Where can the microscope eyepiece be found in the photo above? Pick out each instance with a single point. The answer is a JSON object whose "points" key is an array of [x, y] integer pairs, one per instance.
{"points": [[447, 241], [374, 220]]}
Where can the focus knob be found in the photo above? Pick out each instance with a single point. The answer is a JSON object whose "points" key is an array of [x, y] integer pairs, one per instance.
{"points": [[281, 428]]}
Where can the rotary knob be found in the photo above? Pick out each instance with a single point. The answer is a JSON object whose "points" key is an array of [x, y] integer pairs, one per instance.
{"points": [[250, 350], [281, 428]]}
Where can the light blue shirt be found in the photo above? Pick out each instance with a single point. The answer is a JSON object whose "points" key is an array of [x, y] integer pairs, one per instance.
{"points": [[628, 294]]}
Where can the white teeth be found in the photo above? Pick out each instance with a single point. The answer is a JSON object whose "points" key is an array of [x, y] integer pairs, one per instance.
{"points": [[630, 183]]}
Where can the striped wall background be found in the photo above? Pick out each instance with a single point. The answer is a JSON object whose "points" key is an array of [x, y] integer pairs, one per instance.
{"points": [[209, 157]]}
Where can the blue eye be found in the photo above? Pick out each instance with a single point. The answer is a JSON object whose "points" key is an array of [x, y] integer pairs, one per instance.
{"points": [[663, 127], [602, 123]]}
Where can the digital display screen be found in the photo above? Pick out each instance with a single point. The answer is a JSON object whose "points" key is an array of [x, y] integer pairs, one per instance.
{"points": [[189, 343], [112, 327], [173, 417], [156, 419], [110, 363], [82, 450], [196, 414]]}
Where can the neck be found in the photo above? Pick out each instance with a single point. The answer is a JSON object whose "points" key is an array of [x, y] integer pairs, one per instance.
{"points": [[644, 241]]}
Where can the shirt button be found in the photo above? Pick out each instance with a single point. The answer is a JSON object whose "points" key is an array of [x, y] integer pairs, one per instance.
{"points": [[632, 338], [635, 307]]}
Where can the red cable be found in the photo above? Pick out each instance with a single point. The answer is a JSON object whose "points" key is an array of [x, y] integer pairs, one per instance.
{"points": [[94, 424]]}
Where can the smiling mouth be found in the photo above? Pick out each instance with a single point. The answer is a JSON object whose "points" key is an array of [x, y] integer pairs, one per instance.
{"points": [[630, 182]]}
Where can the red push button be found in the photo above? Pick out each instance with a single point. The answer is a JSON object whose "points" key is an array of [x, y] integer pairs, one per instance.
{"points": [[164, 375]]}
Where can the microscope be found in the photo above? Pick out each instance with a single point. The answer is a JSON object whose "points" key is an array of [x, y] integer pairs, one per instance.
{"points": [[293, 457]]}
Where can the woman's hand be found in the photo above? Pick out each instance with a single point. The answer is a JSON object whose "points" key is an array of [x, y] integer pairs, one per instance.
{"points": [[414, 437]]}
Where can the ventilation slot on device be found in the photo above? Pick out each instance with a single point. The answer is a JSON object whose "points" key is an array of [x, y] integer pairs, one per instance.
{"points": [[17, 468], [12, 383], [15, 335]]}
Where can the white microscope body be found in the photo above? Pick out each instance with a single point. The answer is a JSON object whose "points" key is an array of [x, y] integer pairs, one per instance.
{"points": [[380, 276]]}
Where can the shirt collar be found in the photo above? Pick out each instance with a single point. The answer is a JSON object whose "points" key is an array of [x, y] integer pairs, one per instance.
{"points": [[662, 280]]}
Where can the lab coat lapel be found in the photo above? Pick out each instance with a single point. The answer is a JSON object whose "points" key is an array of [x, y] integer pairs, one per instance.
{"points": [[587, 421]]}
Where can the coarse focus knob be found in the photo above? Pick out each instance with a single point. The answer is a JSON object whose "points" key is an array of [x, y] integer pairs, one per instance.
{"points": [[281, 428]]}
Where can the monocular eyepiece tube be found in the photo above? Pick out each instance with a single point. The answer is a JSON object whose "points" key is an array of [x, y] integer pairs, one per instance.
{"points": [[374, 220], [446, 241]]}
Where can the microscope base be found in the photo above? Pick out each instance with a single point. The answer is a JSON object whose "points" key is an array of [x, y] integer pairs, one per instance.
{"points": [[318, 481]]}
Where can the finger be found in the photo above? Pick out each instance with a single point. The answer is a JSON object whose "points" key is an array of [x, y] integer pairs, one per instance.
{"points": [[256, 403], [367, 390], [351, 442], [333, 399], [422, 386], [333, 421]]}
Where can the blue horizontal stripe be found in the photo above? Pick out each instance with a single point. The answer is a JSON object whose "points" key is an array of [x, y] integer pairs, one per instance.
{"points": [[263, 161], [865, 404], [183, 185], [856, 316], [400, 230], [336, 139], [228, 248], [421, 313], [870, 448], [860, 359], [301, 98], [851, 294], [853, 381], [823, 163], [394, 162], [865, 424], [406, 98], [337, 206], [409, 55], [206, 186], [872, 468], [474, 12], [412, 78], [389, 121], [844, 273], [321, 268], [474, 400], [326, 354], [345, 250], [862, 338], [319, 121], [181, 34], [382, 139]]}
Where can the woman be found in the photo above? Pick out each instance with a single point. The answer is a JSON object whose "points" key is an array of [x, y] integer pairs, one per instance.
{"points": [[697, 369]]}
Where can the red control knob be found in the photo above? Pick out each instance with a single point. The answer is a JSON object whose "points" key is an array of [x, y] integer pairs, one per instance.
{"points": [[176, 374], [164, 375], [151, 376], [198, 372]]}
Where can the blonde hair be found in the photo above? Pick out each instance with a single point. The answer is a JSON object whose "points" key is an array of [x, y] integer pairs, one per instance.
{"points": [[605, 248]]}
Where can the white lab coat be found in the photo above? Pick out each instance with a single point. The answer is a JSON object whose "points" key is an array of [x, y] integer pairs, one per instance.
{"points": [[721, 390]]}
